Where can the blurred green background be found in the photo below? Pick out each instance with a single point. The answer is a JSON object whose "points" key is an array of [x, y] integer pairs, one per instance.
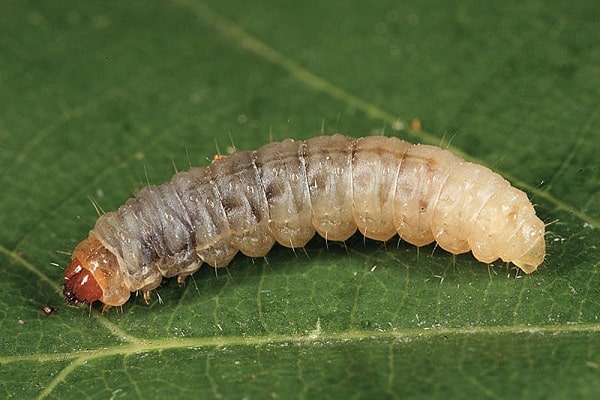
{"points": [[98, 98]]}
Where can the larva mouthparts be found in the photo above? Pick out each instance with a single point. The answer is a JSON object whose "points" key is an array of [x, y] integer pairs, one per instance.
{"points": [[286, 191]]}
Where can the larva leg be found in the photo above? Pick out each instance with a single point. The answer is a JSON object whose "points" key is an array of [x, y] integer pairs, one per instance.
{"points": [[181, 279]]}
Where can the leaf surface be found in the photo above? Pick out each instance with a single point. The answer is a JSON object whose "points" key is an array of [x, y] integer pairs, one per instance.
{"points": [[97, 100]]}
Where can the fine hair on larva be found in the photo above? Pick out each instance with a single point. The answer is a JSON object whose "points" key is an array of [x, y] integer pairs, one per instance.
{"points": [[287, 191]]}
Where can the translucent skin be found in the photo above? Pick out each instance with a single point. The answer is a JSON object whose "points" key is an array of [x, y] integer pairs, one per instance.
{"points": [[285, 192]]}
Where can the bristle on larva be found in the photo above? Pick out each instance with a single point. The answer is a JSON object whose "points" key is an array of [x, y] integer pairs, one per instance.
{"points": [[286, 191]]}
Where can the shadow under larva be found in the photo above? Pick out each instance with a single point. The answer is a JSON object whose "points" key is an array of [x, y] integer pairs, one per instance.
{"points": [[287, 191]]}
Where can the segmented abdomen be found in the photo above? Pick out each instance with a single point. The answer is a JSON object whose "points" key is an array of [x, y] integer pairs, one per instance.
{"points": [[285, 191]]}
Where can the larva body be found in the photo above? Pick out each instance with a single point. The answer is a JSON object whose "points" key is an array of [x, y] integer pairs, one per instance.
{"points": [[285, 192]]}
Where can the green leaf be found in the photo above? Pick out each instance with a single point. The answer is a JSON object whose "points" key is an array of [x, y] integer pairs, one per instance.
{"points": [[98, 99]]}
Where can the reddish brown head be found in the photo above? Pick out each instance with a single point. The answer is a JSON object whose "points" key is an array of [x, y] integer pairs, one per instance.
{"points": [[80, 286], [93, 274]]}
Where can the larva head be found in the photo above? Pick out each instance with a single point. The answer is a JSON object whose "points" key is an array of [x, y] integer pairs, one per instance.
{"points": [[93, 274]]}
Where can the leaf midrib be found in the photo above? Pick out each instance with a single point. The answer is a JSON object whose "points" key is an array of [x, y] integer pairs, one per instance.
{"points": [[136, 345]]}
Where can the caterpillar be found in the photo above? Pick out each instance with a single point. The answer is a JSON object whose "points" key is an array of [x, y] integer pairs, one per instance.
{"points": [[286, 191]]}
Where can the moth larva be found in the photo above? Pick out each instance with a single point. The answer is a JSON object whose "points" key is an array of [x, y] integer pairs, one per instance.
{"points": [[285, 192]]}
